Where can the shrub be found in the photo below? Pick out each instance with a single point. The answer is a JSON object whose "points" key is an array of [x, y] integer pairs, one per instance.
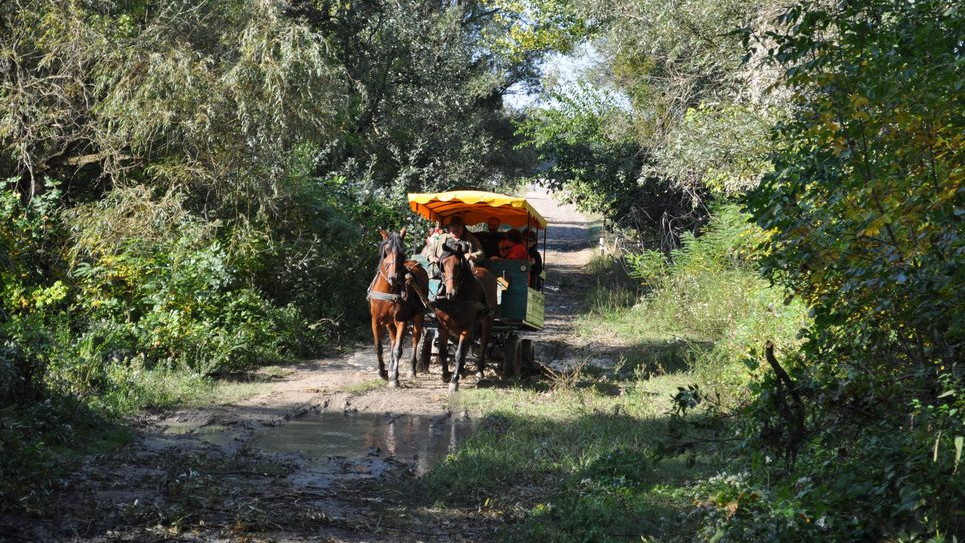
{"points": [[709, 293], [864, 211], [167, 292]]}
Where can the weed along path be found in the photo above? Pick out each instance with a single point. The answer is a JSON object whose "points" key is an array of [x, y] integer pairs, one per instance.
{"points": [[317, 451]]}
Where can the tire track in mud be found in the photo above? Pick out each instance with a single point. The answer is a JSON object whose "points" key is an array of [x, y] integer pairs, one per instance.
{"points": [[204, 474]]}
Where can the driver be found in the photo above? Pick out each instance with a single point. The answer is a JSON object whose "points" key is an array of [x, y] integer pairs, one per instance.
{"points": [[457, 234]]}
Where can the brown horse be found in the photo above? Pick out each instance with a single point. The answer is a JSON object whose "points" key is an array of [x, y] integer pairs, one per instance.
{"points": [[470, 299], [393, 304]]}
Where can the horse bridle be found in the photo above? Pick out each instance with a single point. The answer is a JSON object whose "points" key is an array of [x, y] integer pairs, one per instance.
{"points": [[384, 264], [463, 271]]}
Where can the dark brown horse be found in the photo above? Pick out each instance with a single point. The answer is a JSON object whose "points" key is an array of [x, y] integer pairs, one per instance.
{"points": [[393, 303], [470, 299]]}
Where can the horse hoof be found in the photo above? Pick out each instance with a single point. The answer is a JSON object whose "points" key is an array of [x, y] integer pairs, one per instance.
{"points": [[411, 375], [384, 375], [453, 387], [393, 384], [446, 377]]}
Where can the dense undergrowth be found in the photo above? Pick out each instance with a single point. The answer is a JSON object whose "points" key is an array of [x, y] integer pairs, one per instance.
{"points": [[889, 476], [702, 308], [134, 301]]}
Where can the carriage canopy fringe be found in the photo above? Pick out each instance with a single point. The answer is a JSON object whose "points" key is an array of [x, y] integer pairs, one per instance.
{"points": [[476, 207]]}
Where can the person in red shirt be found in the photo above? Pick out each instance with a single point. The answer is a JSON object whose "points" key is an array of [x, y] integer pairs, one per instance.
{"points": [[517, 251], [511, 247]]}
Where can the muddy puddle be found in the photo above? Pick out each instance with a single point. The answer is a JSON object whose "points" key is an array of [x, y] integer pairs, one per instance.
{"points": [[216, 434], [367, 440]]}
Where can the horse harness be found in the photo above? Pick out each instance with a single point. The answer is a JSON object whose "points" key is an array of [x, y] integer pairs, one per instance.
{"points": [[387, 296]]}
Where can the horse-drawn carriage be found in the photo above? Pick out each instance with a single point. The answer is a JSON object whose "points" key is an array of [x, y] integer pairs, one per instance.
{"points": [[486, 306]]}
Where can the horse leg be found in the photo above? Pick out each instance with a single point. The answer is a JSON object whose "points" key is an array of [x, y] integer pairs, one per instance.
{"points": [[417, 322], [461, 351], [444, 352], [487, 327], [377, 335], [398, 335]]}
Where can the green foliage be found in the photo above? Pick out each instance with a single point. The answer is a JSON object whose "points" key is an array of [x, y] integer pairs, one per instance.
{"points": [[691, 118], [427, 109], [880, 488], [30, 292], [169, 293], [592, 158], [708, 294], [864, 211], [720, 147], [522, 27], [698, 110], [208, 97], [586, 139], [864, 202], [134, 283], [213, 98]]}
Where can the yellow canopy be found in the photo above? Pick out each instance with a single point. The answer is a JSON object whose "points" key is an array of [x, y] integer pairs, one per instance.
{"points": [[476, 207]]}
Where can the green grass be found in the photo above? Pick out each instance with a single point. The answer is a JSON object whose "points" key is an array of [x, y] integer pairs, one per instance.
{"points": [[160, 388], [365, 386], [705, 318], [586, 460]]}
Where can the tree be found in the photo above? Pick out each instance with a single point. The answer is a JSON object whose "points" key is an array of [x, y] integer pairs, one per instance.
{"points": [[700, 112], [864, 207], [208, 97]]}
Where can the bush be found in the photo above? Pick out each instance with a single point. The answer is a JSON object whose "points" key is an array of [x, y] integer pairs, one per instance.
{"points": [[864, 210], [709, 294], [167, 292]]}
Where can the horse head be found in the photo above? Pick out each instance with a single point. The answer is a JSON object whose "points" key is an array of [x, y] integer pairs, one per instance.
{"points": [[392, 257], [455, 268]]}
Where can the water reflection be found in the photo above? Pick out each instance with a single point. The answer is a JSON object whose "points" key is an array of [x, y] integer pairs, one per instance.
{"points": [[421, 441]]}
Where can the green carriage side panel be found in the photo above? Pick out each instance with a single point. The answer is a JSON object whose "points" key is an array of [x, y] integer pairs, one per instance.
{"points": [[518, 303], [534, 308], [423, 261], [434, 286]]}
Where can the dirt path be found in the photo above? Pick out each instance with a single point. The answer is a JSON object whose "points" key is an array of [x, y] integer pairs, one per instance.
{"points": [[323, 454]]}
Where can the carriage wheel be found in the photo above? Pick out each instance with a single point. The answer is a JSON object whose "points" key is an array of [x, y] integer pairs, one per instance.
{"points": [[511, 354], [527, 354], [519, 360], [425, 349]]}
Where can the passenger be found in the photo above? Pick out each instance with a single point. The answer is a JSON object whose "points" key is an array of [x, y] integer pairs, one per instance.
{"points": [[536, 271], [463, 239], [490, 239], [432, 239], [504, 246], [512, 248]]}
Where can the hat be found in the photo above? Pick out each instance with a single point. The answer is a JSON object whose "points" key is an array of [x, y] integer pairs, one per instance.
{"points": [[456, 220]]}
